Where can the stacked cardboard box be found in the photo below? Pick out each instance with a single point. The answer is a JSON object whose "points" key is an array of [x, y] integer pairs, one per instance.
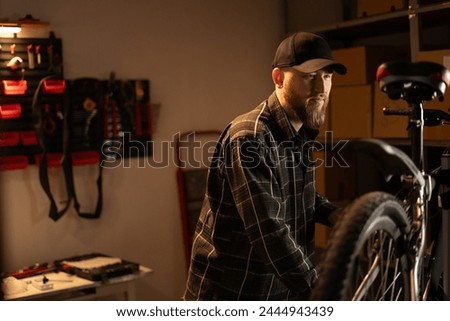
{"points": [[367, 8], [438, 133], [388, 126], [353, 95]]}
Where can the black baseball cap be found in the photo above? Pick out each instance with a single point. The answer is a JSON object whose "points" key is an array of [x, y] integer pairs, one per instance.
{"points": [[306, 52]]}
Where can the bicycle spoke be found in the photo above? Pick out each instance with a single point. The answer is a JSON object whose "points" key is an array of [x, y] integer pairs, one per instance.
{"points": [[389, 283], [393, 283], [377, 278], [369, 278], [385, 263]]}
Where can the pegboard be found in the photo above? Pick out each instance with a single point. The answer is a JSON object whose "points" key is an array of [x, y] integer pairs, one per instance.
{"points": [[97, 112], [23, 63]]}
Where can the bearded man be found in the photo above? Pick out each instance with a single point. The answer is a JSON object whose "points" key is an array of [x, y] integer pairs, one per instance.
{"points": [[254, 239]]}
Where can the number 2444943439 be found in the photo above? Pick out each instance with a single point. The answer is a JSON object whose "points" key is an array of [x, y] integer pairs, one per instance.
{"points": [[304, 311]]}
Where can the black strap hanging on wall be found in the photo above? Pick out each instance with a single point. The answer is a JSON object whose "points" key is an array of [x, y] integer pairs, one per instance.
{"points": [[42, 128], [46, 125], [99, 206]]}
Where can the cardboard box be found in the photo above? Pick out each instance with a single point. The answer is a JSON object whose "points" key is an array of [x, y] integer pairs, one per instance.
{"points": [[362, 62], [423, 2], [439, 56], [437, 133], [388, 126], [367, 8], [351, 111]]}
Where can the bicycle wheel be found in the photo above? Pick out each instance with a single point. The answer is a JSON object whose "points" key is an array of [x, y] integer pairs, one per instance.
{"points": [[366, 258]]}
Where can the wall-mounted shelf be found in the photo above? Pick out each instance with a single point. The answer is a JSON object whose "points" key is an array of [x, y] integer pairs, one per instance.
{"points": [[413, 20], [395, 21]]}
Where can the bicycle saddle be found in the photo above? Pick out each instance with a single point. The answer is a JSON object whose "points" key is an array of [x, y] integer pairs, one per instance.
{"points": [[413, 82]]}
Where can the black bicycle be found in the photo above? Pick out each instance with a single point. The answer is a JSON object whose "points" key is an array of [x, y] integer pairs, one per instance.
{"points": [[395, 245]]}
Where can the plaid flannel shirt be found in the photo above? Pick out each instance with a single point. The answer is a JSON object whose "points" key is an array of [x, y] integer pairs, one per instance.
{"points": [[255, 236]]}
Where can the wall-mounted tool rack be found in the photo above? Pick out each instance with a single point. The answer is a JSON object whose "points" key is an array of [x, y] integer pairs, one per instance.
{"points": [[23, 63], [98, 113]]}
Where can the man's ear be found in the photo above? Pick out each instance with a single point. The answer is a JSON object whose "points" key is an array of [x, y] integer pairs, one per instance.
{"points": [[277, 77]]}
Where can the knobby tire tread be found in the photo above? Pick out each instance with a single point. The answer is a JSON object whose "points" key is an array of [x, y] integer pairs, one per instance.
{"points": [[338, 256]]}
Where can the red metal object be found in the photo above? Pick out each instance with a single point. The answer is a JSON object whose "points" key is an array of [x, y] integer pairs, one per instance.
{"points": [[190, 190]]}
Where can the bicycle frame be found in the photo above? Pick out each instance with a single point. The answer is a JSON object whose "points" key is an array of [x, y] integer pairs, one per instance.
{"points": [[419, 210], [416, 83]]}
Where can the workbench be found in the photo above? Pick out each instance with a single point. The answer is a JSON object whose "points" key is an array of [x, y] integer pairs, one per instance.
{"points": [[65, 286]]}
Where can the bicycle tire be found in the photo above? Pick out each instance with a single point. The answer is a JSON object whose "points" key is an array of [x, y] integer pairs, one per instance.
{"points": [[367, 223]]}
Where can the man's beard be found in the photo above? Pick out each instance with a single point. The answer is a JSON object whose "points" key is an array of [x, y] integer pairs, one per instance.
{"points": [[311, 112]]}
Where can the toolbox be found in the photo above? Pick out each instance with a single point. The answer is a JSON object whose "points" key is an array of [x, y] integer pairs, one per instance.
{"points": [[96, 266]]}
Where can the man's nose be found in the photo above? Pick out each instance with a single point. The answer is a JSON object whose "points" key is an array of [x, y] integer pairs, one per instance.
{"points": [[319, 86]]}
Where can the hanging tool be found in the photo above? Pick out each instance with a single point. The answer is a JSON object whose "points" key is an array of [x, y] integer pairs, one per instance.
{"points": [[30, 54], [15, 63], [37, 50]]}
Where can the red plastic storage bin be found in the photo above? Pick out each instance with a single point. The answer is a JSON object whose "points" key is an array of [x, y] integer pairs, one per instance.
{"points": [[10, 111], [28, 138], [54, 86], [9, 139], [13, 162], [53, 159], [14, 87]]}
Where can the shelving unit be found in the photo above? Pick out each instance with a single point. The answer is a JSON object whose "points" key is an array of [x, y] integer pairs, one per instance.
{"points": [[413, 20], [364, 27]]}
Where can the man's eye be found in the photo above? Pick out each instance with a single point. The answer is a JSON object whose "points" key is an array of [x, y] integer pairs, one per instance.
{"points": [[310, 76]]}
